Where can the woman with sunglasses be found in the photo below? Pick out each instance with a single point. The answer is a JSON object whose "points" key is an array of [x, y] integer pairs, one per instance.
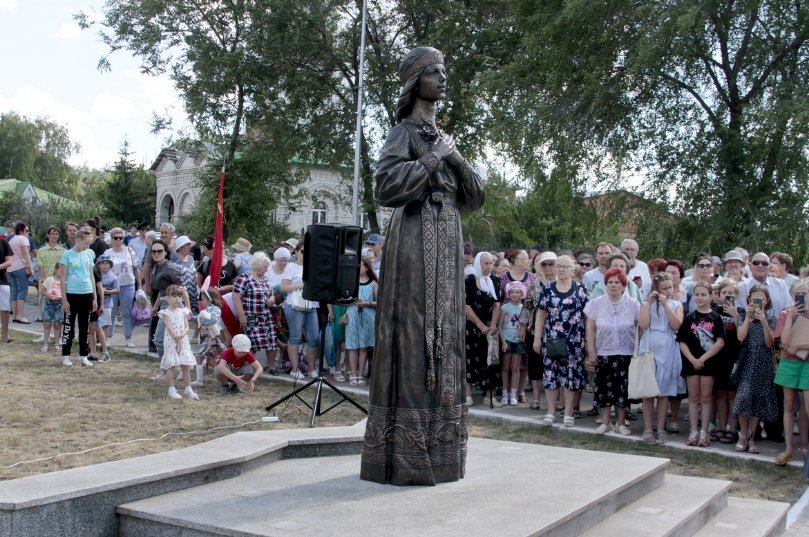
{"points": [[162, 275], [126, 267]]}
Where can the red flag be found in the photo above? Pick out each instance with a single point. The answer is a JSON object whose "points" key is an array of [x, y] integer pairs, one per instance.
{"points": [[218, 246]]}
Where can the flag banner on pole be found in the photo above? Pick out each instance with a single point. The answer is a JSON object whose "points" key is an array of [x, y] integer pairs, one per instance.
{"points": [[218, 242]]}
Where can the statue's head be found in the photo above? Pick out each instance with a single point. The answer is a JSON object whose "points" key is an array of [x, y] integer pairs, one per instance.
{"points": [[413, 65]]}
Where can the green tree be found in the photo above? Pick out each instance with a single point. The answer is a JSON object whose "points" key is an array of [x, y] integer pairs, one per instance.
{"points": [[128, 193], [36, 151], [707, 99]]}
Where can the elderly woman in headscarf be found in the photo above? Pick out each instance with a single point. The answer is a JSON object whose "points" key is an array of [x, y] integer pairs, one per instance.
{"points": [[482, 313], [416, 429]]}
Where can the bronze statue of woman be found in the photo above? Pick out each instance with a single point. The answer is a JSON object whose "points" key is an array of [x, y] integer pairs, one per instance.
{"points": [[416, 431]]}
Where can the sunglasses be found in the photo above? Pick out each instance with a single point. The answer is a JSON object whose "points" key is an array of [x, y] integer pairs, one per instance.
{"points": [[548, 264], [158, 251], [117, 238], [758, 263], [704, 265], [585, 264]]}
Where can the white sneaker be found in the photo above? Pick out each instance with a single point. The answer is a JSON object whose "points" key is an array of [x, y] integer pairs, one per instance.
{"points": [[173, 393], [40, 339], [623, 429], [197, 384], [66, 361], [190, 394], [504, 400], [298, 375], [130, 344], [85, 362], [313, 374], [105, 357], [602, 429]]}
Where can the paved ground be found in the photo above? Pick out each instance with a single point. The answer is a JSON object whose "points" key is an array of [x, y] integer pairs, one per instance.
{"points": [[518, 414]]}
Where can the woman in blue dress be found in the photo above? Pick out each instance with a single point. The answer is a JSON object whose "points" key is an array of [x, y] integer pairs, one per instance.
{"points": [[660, 318], [360, 318]]}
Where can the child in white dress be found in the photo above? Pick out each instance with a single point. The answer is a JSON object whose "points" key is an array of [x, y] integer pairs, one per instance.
{"points": [[177, 347]]}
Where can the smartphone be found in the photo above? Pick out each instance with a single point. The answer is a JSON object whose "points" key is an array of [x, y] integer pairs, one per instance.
{"points": [[757, 302], [800, 302], [730, 301]]}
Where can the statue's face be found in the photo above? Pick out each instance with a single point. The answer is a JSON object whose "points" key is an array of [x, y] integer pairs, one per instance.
{"points": [[433, 83]]}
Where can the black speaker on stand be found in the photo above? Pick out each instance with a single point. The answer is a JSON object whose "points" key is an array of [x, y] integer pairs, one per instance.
{"points": [[331, 275]]}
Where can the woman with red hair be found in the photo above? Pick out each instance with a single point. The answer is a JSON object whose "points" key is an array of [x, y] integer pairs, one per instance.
{"points": [[612, 321]]}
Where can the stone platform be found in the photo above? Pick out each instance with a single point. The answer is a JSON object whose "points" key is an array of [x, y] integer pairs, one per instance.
{"points": [[305, 483]]}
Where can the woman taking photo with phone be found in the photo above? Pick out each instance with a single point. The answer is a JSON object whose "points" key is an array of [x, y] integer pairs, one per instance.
{"points": [[755, 394]]}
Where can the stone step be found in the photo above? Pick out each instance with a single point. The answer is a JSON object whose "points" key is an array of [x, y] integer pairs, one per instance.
{"points": [[679, 508], [744, 517], [509, 489]]}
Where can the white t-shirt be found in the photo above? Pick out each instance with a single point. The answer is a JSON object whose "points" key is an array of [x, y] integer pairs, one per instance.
{"points": [[641, 270], [297, 277], [123, 263], [274, 279], [592, 278]]}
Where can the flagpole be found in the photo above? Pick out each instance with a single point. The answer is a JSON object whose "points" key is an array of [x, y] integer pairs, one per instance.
{"points": [[355, 201]]}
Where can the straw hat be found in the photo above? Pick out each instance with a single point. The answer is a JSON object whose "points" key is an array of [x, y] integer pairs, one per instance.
{"points": [[242, 245]]}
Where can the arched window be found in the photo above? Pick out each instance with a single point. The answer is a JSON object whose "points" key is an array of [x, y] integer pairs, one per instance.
{"points": [[319, 212]]}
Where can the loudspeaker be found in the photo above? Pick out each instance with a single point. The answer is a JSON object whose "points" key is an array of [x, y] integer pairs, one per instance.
{"points": [[331, 263]]}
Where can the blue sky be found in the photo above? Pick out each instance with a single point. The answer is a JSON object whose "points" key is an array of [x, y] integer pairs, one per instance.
{"points": [[48, 68]]}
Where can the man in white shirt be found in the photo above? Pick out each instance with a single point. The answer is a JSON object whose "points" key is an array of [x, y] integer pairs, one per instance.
{"points": [[637, 268], [594, 277], [760, 273]]}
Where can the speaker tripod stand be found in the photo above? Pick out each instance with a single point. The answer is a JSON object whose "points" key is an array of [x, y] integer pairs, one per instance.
{"points": [[319, 381]]}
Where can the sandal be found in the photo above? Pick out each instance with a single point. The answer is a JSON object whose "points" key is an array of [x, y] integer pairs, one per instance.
{"points": [[673, 427], [783, 459], [693, 438], [522, 398], [630, 415], [548, 420], [353, 381], [704, 439], [730, 437], [648, 436], [360, 381], [742, 444], [661, 438], [592, 412], [800, 453], [577, 413], [569, 421], [535, 404], [752, 447]]}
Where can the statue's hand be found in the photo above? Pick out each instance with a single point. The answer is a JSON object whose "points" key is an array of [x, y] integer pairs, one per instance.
{"points": [[444, 147]]}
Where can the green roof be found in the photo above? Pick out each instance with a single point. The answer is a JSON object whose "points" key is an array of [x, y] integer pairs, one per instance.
{"points": [[15, 185]]}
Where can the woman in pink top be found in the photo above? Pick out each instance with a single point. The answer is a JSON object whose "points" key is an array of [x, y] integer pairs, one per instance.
{"points": [[19, 271]]}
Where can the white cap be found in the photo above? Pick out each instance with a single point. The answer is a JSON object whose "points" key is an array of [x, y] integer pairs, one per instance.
{"points": [[241, 343]]}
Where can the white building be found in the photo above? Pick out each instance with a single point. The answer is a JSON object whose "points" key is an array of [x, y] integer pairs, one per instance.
{"points": [[328, 199]]}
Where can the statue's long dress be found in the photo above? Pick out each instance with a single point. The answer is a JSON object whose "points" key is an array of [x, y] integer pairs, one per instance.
{"points": [[416, 431]]}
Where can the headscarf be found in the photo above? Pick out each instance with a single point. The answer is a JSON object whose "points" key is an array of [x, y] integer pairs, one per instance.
{"points": [[516, 286], [484, 282], [413, 64]]}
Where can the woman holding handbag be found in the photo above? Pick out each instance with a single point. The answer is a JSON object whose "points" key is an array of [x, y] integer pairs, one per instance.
{"points": [[612, 321], [660, 318], [301, 317], [482, 317], [559, 328]]}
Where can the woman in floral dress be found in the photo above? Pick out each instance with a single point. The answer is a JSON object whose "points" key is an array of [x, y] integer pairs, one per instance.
{"points": [[560, 314]]}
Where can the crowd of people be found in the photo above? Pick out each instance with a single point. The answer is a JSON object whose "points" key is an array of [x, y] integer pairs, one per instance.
{"points": [[96, 278], [725, 333]]}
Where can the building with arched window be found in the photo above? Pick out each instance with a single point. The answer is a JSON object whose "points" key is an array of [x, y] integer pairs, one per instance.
{"points": [[327, 192]]}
